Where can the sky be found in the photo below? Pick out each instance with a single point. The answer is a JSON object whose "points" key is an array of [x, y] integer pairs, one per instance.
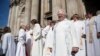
{"points": [[4, 11]]}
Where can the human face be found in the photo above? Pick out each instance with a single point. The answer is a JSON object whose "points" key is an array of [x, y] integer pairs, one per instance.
{"points": [[61, 16]]}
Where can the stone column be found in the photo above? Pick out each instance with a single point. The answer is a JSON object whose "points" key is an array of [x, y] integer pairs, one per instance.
{"points": [[72, 8], [42, 12], [81, 8], [13, 20], [46, 6], [34, 9], [27, 11], [16, 21]]}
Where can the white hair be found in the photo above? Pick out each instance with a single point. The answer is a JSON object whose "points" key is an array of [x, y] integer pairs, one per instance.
{"points": [[61, 11]]}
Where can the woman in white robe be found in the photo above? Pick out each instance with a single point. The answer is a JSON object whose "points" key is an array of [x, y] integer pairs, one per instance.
{"points": [[8, 43], [21, 42], [37, 45]]}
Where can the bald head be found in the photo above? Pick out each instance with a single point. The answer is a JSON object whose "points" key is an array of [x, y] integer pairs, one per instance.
{"points": [[61, 14]]}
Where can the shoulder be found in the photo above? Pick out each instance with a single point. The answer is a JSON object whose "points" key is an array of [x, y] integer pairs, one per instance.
{"points": [[6, 35], [37, 25]]}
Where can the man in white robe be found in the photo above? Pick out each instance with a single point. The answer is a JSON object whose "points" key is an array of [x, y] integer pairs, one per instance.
{"points": [[37, 45], [8, 43], [79, 27], [21, 42], [28, 40], [91, 36], [97, 21], [49, 41], [45, 31], [65, 41]]}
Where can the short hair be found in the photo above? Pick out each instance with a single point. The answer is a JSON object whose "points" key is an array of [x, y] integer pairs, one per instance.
{"points": [[34, 21], [6, 29], [75, 15]]}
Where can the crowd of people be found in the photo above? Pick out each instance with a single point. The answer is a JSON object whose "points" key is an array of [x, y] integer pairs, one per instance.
{"points": [[63, 37]]}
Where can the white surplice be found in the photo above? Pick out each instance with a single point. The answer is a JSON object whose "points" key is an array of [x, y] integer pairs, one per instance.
{"points": [[79, 27], [64, 38], [97, 21], [91, 35], [28, 41], [21, 43], [48, 42], [37, 44], [8, 45], [44, 33]]}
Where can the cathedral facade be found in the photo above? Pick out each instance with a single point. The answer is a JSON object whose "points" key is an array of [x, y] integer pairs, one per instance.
{"points": [[23, 11]]}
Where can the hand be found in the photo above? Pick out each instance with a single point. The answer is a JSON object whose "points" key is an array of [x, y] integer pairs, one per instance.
{"points": [[49, 49], [98, 35], [74, 50], [83, 36]]}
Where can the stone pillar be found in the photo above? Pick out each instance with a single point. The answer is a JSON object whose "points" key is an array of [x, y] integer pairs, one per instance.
{"points": [[27, 11], [42, 12], [81, 8], [75, 7], [46, 6], [72, 8], [16, 21], [34, 9], [13, 20]]}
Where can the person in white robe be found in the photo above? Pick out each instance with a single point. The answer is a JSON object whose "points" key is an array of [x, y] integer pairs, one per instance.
{"points": [[21, 50], [97, 20], [45, 31], [79, 27], [47, 51], [28, 40], [65, 41], [91, 36], [37, 45], [8, 43]]}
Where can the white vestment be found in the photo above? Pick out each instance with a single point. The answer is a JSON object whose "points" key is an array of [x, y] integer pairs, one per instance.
{"points": [[28, 41], [8, 45], [21, 43], [97, 21], [37, 44], [64, 38], [79, 27], [91, 37], [45, 32], [48, 42]]}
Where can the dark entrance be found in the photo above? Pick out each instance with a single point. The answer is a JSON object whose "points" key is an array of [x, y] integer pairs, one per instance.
{"points": [[92, 5]]}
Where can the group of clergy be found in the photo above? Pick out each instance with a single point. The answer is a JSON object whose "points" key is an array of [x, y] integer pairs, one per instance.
{"points": [[63, 37]]}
